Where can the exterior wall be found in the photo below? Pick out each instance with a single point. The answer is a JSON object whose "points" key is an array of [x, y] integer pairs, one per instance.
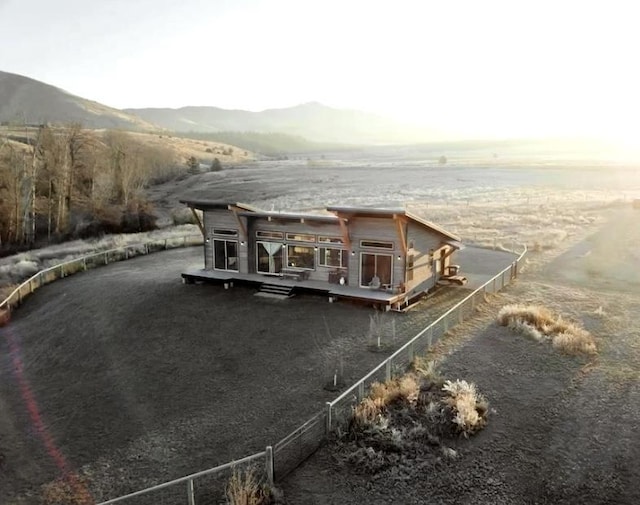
{"points": [[380, 229], [424, 242], [223, 219], [319, 273]]}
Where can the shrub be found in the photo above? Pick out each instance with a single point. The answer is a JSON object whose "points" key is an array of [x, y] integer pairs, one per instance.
{"points": [[470, 407], [540, 324]]}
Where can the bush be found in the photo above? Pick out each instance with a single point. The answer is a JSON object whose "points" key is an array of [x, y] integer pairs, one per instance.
{"points": [[540, 324]]}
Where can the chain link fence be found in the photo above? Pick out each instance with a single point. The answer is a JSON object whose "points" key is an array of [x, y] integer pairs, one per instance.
{"points": [[90, 261], [274, 463]]}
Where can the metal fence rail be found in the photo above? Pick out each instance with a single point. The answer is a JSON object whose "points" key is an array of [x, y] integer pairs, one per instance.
{"points": [[90, 261], [275, 462], [339, 410]]}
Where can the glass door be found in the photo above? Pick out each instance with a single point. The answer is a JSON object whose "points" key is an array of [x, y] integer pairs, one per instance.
{"points": [[375, 269], [225, 255], [269, 257]]}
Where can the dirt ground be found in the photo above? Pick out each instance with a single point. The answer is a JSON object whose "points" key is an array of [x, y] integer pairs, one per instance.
{"points": [[562, 429], [139, 379]]}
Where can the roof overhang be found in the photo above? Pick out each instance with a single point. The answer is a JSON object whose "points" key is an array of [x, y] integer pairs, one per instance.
{"points": [[218, 205], [290, 216]]}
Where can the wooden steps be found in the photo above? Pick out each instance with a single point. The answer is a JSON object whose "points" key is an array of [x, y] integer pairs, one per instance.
{"points": [[275, 291]]}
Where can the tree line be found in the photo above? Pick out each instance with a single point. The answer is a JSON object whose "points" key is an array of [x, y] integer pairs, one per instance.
{"points": [[67, 182]]}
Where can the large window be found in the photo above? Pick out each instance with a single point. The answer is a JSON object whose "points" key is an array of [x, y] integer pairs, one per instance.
{"points": [[225, 255], [375, 269], [301, 256], [332, 257]]}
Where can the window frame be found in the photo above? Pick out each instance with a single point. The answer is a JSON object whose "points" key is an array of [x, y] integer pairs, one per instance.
{"points": [[344, 258], [383, 245]]}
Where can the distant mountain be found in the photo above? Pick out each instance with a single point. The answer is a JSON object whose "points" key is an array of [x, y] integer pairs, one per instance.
{"points": [[26, 100], [312, 121]]}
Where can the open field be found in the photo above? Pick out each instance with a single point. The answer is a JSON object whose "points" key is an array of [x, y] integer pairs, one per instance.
{"points": [[141, 377]]}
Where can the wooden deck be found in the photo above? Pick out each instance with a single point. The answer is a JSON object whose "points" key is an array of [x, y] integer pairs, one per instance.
{"points": [[332, 290]]}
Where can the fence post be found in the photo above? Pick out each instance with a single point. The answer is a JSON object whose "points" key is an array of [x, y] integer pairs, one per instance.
{"points": [[412, 352], [430, 337], [184, 241], [84, 263], [387, 370], [494, 285], [165, 244], [146, 247], [360, 391], [445, 322], [105, 258], [62, 271], [328, 420], [269, 464], [460, 318], [191, 498]]}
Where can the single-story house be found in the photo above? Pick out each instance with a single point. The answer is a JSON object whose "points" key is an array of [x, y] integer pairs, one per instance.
{"points": [[388, 256]]}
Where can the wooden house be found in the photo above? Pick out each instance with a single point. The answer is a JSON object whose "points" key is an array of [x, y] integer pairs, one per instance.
{"points": [[384, 256]]}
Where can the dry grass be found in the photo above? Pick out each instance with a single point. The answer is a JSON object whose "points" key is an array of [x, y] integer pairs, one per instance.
{"points": [[470, 407], [5, 316], [371, 409], [71, 490], [542, 325], [244, 488]]}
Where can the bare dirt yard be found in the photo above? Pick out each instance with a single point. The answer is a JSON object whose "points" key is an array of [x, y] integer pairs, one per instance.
{"points": [[138, 379], [562, 429]]}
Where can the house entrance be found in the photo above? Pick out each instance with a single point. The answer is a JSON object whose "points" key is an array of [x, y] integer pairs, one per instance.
{"points": [[269, 257], [225, 255], [375, 269]]}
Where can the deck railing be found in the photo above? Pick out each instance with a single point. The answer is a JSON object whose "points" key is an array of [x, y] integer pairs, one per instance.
{"points": [[286, 455], [92, 260]]}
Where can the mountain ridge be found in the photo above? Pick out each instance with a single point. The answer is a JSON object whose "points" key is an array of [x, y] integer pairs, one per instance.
{"points": [[27, 100]]}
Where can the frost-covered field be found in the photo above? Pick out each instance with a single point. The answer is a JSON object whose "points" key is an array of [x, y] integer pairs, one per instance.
{"points": [[500, 201]]}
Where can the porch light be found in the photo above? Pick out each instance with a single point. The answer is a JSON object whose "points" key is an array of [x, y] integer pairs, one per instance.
{"points": [[242, 242], [353, 253], [207, 240], [399, 257]]}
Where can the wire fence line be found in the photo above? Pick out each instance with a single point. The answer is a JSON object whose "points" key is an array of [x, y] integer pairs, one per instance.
{"points": [[90, 261], [277, 461]]}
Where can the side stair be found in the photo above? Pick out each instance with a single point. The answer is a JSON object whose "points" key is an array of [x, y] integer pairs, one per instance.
{"points": [[275, 291]]}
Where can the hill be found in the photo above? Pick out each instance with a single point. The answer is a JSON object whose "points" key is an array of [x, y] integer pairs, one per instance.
{"points": [[25, 100], [312, 121]]}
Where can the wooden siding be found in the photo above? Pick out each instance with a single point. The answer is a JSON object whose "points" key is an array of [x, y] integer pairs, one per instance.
{"points": [[424, 241], [219, 218], [377, 229]]}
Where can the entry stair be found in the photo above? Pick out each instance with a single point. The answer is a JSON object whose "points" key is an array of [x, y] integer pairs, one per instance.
{"points": [[275, 291]]}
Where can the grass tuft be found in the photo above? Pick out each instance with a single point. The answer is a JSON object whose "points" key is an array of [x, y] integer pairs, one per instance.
{"points": [[540, 324], [244, 488]]}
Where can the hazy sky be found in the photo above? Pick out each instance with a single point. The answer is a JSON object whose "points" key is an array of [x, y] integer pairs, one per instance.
{"points": [[480, 67]]}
